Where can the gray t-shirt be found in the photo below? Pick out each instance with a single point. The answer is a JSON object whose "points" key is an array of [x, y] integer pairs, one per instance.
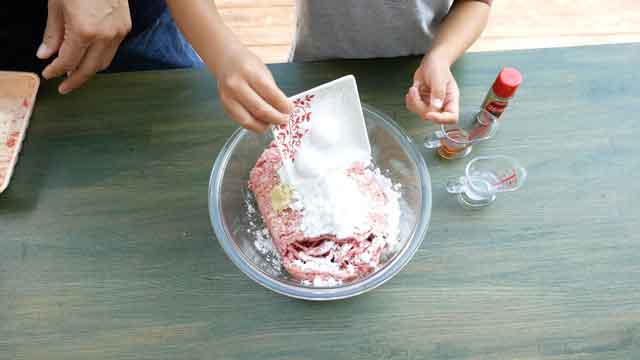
{"points": [[344, 29]]}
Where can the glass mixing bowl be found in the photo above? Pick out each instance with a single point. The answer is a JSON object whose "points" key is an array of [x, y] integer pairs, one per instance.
{"points": [[234, 224]]}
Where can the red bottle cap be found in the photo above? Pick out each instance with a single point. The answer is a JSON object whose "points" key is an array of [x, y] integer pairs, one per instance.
{"points": [[507, 82]]}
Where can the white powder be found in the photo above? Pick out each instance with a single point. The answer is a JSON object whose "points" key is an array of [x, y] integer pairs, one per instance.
{"points": [[332, 203], [315, 264], [322, 281], [264, 245], [262, 240], [392, 207], [324, 264], [331, 200]]}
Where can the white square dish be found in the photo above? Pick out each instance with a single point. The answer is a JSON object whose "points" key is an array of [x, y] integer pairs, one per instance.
{"points": [[328, 116]]}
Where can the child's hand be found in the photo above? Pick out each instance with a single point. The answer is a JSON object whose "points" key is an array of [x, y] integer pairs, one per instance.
{"points": [[249, 93], [434, 94]]}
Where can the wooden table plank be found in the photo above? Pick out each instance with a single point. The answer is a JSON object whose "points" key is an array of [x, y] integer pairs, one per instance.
{"points": [[276, 35], [514, 24], [260, 18], [253, 3], [106, 250]]}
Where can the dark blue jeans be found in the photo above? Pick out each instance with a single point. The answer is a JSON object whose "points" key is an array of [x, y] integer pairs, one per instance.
{"points": [[161, 46]]}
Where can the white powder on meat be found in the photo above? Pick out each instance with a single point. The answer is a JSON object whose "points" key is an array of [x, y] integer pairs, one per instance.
{"points": [[332, 204], [392, 206], [322, 281]]}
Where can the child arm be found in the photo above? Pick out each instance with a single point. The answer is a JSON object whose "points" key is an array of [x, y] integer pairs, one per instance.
{"points": [[246, 87], [434, 94], [460, 29]]}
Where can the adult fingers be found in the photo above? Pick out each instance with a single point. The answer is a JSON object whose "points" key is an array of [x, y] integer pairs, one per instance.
{"points": [[72, 51], [91, 64], [109, 54], [53, 32]]}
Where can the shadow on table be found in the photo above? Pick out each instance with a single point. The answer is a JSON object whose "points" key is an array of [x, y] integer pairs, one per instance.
{"points": [[28, 179]]}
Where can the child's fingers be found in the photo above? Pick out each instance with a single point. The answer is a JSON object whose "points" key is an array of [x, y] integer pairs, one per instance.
{"points": [[269, 91], [414, 102], [258, 107], [453, 96], [240, 115], [437, 93], [452, 105], [442, 117], [433, 85]]}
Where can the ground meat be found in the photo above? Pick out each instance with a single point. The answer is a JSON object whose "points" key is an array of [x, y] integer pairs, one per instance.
{"points": [[324, 257]]}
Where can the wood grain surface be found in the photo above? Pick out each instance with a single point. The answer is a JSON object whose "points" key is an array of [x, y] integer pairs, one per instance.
{"points": [[267, 26], [106, 250]]}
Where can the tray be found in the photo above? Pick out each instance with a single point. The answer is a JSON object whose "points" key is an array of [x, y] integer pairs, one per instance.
{"points": [[17, 96]]}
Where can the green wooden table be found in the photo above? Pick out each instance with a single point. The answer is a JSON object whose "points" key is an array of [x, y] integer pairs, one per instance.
{"points": [[106, 250]]}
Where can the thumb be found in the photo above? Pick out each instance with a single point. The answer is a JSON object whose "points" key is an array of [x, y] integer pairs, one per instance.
{"points": [[437, 92], [53, 33]]}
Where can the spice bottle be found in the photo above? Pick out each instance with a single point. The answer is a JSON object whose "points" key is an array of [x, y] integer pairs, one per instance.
{"points": [[502, 91]]}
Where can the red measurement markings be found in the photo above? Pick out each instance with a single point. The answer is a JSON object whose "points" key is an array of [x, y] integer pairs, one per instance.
{"points": [[509, 179]]}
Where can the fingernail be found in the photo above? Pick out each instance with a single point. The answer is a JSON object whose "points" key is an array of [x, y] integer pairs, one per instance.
{"points": [[437, 103], [63, 90], [42, 51]]}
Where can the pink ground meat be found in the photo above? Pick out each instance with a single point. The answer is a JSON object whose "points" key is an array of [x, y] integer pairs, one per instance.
{"points": [[343, 259]]}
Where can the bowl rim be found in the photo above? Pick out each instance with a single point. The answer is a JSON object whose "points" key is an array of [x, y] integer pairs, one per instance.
{"points": [[399, 261]]}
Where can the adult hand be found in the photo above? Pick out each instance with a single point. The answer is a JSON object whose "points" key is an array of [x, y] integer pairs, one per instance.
{"points": [[434, 94], [248, 92], [85, 34]]}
